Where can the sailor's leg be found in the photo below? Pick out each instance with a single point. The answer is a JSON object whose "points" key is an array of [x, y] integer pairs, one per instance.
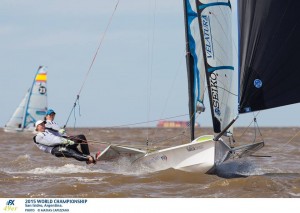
{"points": [[81, 139], [69, 153]]}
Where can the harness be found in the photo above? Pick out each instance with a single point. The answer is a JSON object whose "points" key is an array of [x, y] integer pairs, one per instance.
{"points": [[54, 130], [34, 139]]}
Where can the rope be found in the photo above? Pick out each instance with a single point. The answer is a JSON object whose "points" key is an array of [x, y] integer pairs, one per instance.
{"points": [[257, 128], [146, 122], [92, 63], [254, 120], [150, 66], [289, 141], [175, 136]]}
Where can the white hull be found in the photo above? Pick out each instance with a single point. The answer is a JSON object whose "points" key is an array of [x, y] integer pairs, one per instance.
{"points": [[17, 130], [197, 156], [13, 130]]}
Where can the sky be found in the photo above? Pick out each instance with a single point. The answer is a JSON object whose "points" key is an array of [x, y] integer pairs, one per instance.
{"points": [[139, 74]]}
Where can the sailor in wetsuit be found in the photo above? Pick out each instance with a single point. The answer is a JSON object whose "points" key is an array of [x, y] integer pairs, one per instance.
{"points": [[59, 146], [55, 129], [51, 125]]}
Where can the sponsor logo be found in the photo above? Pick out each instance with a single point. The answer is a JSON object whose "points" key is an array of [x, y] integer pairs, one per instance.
{"points": [[156, 158], [10, 206], [193, 148], [215, 93], [164, 157], [207, 36], [257, 83]]}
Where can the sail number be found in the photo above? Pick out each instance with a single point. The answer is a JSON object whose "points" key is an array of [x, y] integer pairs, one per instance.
{"points": [[42, 90]]}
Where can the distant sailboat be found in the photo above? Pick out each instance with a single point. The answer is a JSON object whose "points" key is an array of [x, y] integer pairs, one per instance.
{"points": [[33, 106], [268, 77]]}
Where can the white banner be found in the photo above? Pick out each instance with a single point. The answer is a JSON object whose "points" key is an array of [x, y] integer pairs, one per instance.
{"points": [[151, 205]]}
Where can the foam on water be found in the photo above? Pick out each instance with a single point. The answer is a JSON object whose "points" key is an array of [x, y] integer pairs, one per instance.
{"points": [[237, 168], [65, 169], [122, 166]]}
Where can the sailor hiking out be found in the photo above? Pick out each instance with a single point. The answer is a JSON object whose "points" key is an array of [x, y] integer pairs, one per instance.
{"points": [[55, 129], [60, 146]]}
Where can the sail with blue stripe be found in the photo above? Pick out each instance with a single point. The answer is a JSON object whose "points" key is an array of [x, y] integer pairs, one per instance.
{"points": [[195, 63], [215, 18], [33, 106]]}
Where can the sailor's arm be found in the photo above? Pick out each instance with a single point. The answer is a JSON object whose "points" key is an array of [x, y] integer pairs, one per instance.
{"points": [[52, 125], [52, 140]]}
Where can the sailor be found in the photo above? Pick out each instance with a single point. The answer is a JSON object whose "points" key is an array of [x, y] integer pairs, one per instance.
{"points": [[51, 125], [60, 146], [55, 129]]}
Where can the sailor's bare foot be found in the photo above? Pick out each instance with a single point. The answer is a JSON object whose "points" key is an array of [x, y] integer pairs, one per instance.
{"points": [[91, 160]]}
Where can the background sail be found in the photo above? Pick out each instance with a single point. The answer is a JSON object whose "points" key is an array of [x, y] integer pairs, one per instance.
{"points": [[37, 102], [269, 35], [215, 23], [16, 120], [195, 62], [33, 106]]}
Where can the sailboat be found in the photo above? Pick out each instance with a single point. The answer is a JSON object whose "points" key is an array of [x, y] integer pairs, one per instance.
{"points": [[266, 78], [33, 106]]}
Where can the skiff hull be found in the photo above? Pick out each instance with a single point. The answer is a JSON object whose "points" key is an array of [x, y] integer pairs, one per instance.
{"points": [[197, 156]]}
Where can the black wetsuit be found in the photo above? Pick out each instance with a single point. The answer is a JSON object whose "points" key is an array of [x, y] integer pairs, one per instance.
{"points": [[50, 143]]}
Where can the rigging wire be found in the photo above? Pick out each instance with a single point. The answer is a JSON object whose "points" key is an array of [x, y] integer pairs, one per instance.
{"points": [[169, 93], [92, 63], [150, 66], [146, 122], [260, 134]]}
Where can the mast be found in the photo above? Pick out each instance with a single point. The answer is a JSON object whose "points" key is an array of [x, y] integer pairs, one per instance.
{"points": [[190, 76]]}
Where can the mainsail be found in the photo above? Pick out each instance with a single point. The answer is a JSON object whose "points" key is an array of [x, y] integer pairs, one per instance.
{"points": [[269, 33], [195, 62], [215, 19], [33, 106]]}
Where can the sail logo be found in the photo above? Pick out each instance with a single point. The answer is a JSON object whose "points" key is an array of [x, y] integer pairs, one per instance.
{"points": [[215, 93], [10, 206], [207, 36], [257, 83], [164, 157]]}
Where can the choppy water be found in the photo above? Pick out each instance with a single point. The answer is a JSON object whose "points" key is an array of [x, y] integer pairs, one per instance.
{"points": [[27, 172]]}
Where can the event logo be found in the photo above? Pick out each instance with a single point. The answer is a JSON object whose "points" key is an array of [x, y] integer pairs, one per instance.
{"points": [[10, 206]]}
